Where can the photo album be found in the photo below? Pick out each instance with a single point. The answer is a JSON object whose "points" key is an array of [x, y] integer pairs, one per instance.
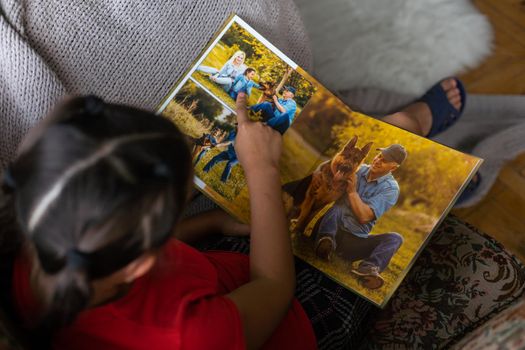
{"points": [[362, 197]]}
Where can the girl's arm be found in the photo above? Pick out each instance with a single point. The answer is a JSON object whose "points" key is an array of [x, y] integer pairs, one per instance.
{"points": [[212, 222], [263, 301]]}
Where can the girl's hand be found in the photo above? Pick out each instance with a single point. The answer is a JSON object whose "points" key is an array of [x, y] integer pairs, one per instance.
{"points": [[258, 146]]}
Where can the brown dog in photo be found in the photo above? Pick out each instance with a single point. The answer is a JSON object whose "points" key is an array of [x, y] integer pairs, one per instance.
{"points": [[268, 89], [328, 182]]}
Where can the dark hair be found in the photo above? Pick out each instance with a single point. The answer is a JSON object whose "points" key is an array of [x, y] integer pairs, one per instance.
{"points": [[248, 70], [92, 189]]}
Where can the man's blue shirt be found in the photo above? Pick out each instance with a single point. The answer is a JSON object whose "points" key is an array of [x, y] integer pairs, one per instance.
{"points": [[290, 107], [380, 195]]}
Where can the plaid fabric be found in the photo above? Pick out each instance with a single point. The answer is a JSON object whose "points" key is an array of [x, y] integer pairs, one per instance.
{"points": [[339, 317]]}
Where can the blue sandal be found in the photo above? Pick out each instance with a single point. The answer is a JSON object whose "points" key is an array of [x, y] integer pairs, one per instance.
{"points": [[443, 113], [470, 189]]}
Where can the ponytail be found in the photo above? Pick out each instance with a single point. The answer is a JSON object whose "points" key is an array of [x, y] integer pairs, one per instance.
{"points": [[65, 293]]}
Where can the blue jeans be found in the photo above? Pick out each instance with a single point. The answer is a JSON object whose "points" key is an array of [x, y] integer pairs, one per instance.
{"points": [[376, 250], [201, 154], [265, 108], [233, 94], [279, 123], [224, 82], [223, 156]]}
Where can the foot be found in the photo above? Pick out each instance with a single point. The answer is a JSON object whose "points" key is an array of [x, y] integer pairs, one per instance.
{"points": [[419, 114], [470, 190], [369, 276], [324, 248]]}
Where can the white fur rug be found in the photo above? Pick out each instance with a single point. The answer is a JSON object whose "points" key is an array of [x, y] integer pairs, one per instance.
{"points": [[398, 45]]}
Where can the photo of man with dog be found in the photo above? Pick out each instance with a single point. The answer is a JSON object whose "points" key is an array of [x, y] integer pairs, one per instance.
{"points": [[371, 199], [345, 227]]}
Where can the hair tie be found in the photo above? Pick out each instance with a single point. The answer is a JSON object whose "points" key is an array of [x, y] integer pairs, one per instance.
{"points": [[93, 105], [76, 259]]}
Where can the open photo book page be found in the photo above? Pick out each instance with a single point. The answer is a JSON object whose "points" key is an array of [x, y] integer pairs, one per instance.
{"points": [[362, 196]]}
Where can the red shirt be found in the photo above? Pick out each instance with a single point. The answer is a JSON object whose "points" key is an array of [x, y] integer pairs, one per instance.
{"points": [[179, 304]]}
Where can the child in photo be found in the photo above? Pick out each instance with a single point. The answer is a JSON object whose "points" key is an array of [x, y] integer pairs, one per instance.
{"points": [[229, 156], [244, 82]]}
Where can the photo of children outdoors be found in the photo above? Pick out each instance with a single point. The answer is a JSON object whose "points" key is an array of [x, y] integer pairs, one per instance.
{"points": [[376, 194], [240, 62], [210, 126]]}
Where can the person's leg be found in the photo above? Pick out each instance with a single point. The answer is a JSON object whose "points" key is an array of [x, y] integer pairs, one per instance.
{"points": [[227, 169], [280, 123], [218, 158], [340, 318], [224, 82], [209, 70], [382, 248], [327, 231], [201, 154], [329, 223], [265, 108], [417, 117], [375, 251]]}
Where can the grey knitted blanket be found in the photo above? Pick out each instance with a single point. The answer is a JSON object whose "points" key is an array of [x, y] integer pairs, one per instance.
{"points": [[128, 52]]}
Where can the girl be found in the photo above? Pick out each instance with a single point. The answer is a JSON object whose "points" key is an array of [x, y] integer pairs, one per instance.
{"points": [[244, 82], [95, 195], [231, 69]]}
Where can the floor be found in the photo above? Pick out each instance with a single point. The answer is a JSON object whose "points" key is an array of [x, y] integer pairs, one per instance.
{"points": [[502, 213]]}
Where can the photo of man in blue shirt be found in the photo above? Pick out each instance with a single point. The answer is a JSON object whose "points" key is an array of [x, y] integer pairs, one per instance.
{"points": [[282, 115], [346, 226]]}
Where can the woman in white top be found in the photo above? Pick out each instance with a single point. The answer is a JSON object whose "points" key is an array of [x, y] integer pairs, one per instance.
{"points": [[228, 72]]}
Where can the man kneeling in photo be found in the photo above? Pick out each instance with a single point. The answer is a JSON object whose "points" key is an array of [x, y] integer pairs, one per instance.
{"points": [[346, 226]]}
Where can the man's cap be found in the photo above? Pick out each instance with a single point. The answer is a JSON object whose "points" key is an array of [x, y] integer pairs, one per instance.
{"points": [[394, 153], [290, 88]]}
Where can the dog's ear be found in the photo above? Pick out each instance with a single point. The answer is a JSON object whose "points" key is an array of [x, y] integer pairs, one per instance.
{"points": [[367, 148], [351, 144]]}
